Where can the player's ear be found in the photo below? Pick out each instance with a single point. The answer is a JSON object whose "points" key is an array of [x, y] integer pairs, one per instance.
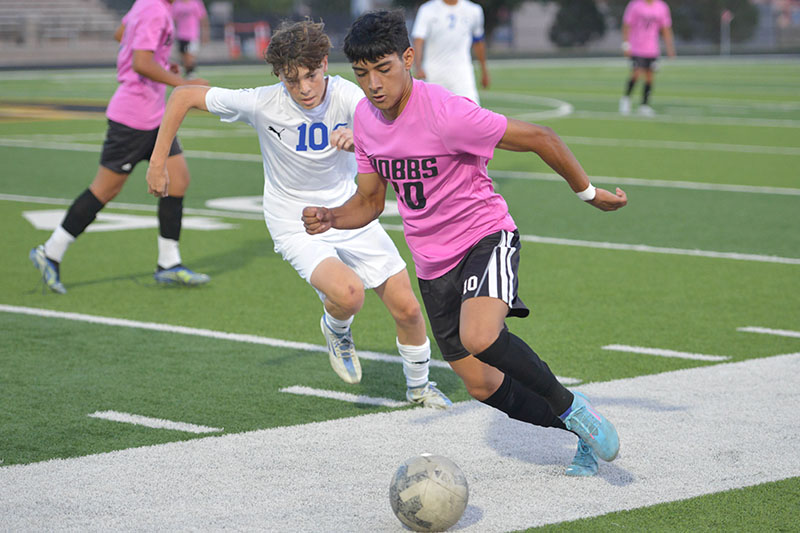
{"points": [[408, 58], [324, 64]]}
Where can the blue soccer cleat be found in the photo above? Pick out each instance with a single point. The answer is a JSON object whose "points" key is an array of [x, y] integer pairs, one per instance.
{"points": [[47, 268], [342, 353], [428, 396], [592, 427], [180, 275], [584, 464]]}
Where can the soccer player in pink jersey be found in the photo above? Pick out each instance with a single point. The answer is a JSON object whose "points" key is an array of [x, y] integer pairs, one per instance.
{"points": [[191, 24], [134, 114], [433, 147], [641, 24]]}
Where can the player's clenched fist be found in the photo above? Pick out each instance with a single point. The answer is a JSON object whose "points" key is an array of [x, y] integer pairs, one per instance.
{"points": [[316, 219], [157, 180]]}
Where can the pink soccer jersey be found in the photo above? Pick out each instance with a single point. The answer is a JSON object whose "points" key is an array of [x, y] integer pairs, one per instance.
{"points": [[434, 155], [187, 15], [645, 20], [138, 101]]}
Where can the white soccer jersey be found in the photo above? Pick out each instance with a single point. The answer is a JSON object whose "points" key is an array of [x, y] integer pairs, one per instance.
{"points": [[449, 32], [300, 166]]}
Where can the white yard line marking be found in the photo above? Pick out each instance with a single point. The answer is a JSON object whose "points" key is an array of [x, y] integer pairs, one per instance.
{"points": [[703, 120], [768, 331], [529, 238], [212, 334], [683, 434], [681, 145], [668, 184], [130, 207], [661, 250], [157, 423], [343, 396], [660, 352], [222, 335]]}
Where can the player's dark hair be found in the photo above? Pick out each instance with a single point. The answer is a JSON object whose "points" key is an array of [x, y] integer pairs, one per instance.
{"points": [[297, 44], [375, 35]]}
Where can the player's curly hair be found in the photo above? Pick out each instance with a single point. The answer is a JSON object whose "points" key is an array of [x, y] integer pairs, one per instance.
{"points": [[376, 34], [297, 44]]}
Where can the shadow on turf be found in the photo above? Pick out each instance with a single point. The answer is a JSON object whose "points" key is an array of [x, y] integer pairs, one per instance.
{"points": [[213, 265]]}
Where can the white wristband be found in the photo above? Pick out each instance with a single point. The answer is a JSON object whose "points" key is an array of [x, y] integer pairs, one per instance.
{"points": [[626, 46], [588, 194]]}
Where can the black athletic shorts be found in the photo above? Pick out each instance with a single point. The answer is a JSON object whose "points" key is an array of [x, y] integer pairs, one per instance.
{"points": [[647, 63], [124, 147], [489, 269], [183, 45]]}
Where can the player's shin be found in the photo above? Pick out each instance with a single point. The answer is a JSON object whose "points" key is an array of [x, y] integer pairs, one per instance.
{"points": [[523, 404], [416, 360], [516, 359]]}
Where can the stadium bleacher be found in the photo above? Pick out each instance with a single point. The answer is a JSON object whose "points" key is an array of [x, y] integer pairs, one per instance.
{"points": [[33, 22]]}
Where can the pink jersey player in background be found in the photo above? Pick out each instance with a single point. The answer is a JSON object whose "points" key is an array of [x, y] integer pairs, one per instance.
{"points": [[642, 23], [134, 115], [191, 26]]}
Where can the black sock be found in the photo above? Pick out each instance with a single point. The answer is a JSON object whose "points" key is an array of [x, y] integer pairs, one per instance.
{"points": [[189, 70], [646, 94], [512, 356], [81, 213], [521, 404], [629, 88], [170, 213]]}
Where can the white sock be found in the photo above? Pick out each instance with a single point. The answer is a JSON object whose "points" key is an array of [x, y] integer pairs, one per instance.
{"points": [[168, 253], [416, 360], [339, 326], [56, 246]]}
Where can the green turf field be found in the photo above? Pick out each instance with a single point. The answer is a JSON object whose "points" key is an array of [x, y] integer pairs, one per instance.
{"points": [[709, 243]]}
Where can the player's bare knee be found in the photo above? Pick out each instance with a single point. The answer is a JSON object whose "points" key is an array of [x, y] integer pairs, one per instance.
{"points": [[408, 313], [477, 341], [349, 298]]}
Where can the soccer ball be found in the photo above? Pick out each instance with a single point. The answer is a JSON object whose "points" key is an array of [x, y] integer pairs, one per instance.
{"points": [[428, 493]]}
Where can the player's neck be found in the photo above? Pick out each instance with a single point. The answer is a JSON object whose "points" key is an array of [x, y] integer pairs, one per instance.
{"points": [[393, 112], [450, 2]]}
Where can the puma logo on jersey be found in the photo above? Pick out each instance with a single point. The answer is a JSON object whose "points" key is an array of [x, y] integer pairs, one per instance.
{"points": [[276, 132]]}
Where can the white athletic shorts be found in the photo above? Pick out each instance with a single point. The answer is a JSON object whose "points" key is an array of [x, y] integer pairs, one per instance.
{"points": [[368, 251]]}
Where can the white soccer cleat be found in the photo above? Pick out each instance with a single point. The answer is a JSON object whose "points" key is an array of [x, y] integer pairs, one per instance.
{"points": [[646, 111], [428, 396], [342, 353], [625, 105]]}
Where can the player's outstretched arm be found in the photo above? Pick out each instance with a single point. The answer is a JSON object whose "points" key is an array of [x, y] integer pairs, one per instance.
{"points": [[361, 209], [145, 65], [526, 137], [180, 102], [669, 41], [419, 46], [479, 50]]}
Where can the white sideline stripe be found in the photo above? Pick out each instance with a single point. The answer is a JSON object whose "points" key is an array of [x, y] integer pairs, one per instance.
{"points": [[681, 145], [157, 423], [768, 331], [343, 396], [691, 445], [222, 335], [665, 353]]}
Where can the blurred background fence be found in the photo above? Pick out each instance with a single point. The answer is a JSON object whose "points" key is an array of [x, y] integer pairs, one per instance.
{"points": [[79, 32]]}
